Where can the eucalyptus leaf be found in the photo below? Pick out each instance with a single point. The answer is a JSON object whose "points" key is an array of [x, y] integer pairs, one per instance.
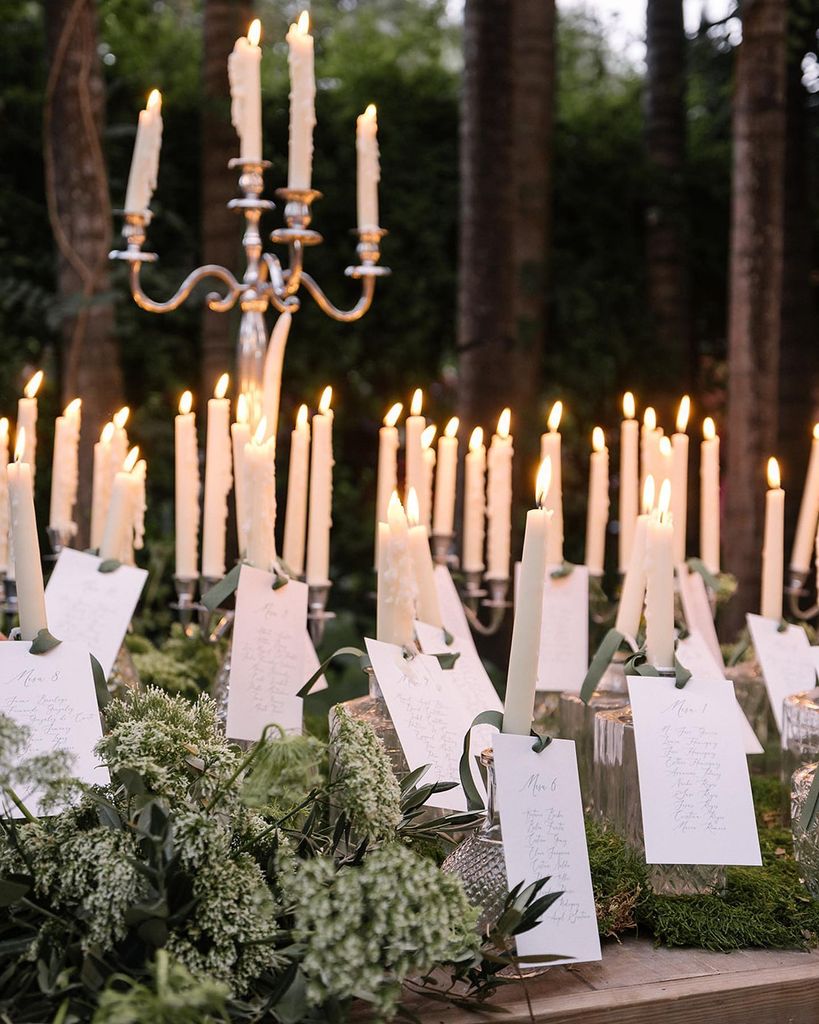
{"points": [[44, 642], [314, 678], [11, 891], [562, 571], [109, 565], [603, 657], [220, 592]]}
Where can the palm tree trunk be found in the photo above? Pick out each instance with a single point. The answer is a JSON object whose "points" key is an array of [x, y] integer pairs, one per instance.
{"points": [[80, 214], [665, 214], [756, 287], [224, 21]]}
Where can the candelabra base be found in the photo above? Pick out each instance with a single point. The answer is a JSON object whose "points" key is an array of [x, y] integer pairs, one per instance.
{"points": [[616, 795]]}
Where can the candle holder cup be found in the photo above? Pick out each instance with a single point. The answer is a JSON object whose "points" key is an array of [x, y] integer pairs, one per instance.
{"points": [[318, 595], [442, 549], [186, 606]]}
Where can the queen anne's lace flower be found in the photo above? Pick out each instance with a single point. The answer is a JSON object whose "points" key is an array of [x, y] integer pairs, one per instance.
{"points": [[364, 782], [369, 926]]}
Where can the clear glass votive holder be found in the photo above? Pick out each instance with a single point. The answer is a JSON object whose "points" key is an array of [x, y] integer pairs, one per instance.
{"points": [[805, 842], [576, 722], [800, 731], [616, 795]]}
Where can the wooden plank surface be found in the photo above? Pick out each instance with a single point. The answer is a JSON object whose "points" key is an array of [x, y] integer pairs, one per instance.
{"points": [[638, 984]]}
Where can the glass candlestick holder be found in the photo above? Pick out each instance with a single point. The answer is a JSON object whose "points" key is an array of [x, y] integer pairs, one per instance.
{"points": [[576, 722], [800, 731], [616, 796]]}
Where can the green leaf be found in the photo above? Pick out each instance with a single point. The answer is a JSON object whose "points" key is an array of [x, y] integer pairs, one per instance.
{"points": [[44, 642], [292, 1006], [354, 651], [109, 565], [681, 672], [474, 802], [219, 593], [562, 571], [447, 661], [133, 781], [600, 662], [449, 639], [11, 891], [100, 683], [280, 580]]}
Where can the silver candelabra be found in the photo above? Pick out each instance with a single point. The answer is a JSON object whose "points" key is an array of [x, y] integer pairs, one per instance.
{"points": [[796, 591], [473, 594]]}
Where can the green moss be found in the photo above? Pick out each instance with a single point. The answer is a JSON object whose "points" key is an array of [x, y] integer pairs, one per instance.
{"points": [[766, 906]]}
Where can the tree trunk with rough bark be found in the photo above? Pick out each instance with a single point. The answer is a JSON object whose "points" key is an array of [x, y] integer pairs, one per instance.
{"points": [[666, 264], [80, 213], [223, 22], [756, 289]]}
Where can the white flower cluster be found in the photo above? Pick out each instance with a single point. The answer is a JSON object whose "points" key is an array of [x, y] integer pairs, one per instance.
{"points": [[364, 782]]}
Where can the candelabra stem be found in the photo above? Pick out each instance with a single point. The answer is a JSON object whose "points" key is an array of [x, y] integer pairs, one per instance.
{"points": [[795, 590], [475, 597], [185, 605]]}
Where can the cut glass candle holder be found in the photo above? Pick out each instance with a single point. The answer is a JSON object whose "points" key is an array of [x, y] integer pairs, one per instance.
{"points": [[576, 722], [800, 731], [616, 796], [805, 841]]}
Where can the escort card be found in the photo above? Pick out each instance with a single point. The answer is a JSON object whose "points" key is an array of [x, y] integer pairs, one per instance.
{"points": [[428, 715], [93, 607], [814, 654], [541, 817], [564, 633], [694, 654], [53, 696], [694, 785], [267, 655], [785, 659], [697, 610], [453, 615]]}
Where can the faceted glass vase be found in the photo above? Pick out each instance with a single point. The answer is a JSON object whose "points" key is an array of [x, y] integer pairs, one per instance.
{"points": [[800, 731], [616, 796], [576, 723], [805, 843]]}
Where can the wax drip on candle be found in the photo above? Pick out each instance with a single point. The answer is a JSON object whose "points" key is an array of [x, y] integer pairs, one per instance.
{"points": [[683, 412], [392, 414], [553, 422], [629, 409], [451, 429], [504, 423]]}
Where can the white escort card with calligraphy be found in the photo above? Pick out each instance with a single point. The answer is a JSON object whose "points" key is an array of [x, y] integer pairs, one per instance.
{"points": [[694, 654], [91, 606], [541, 817], [697, 610], [267, 660], [430, 719], [695, 789], [785, 659], [453, 615], [53, 696]]}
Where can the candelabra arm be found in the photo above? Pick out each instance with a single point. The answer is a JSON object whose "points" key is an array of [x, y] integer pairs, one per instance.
{"points": [[496, 602], [346, 316], [276, 290], [215, 301], [796, 590]]}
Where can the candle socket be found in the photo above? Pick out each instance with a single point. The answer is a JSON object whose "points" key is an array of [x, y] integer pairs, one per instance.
{"points": [[297, 216], [368, 251], [442, 549], [317, 615], [186, 603]]}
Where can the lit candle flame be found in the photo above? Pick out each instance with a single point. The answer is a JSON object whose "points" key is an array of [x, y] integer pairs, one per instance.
{"points": [[33, 386], [451, 429], [254, 32], [650, 418], [553, 422], [73, 408], [709, 431], [20, 444], [131, 459], [774, 476], [154, 100], [648, 494], [417, 403], [242, 409], [121, 418], [4, 429], [665, 447], [107, 433], [185, 403], [683, 413], [391, 417], [395, 511], [664, 501], [543, 481], [302, 26], [504, 423], [476, 439], [413, 508], [261, 430], [326, 398], [598, 439], [816, 432], [221, 386], [629, 408], [301, 417], [428, 436], [370, 112]]}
